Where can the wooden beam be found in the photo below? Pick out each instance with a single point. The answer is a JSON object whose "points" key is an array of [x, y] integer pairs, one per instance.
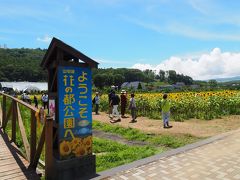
{"points": [[60, 54], [23, 133], [53, 80], [1, 121], [75, 53], [39, 149], [4, 111], [14, 121], [8, 116], [49, 148], [19, 101], [33, 137], [56, 45], [52, 94]]}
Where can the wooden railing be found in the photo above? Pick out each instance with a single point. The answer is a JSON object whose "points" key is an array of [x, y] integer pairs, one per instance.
{"points": [[33, 149]]}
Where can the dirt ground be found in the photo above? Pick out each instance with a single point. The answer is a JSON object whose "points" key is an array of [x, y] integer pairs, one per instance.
{"points": [[195, 127]]}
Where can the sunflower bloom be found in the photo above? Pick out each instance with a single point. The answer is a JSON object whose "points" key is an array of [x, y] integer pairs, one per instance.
{"points": [[80, 151], [65, 148], [74, 143]]}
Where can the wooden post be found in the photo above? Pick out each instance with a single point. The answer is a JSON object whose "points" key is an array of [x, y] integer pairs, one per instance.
{"points": [[14, 120], [33, 137], [1, 121], [49, 148], [4, 111], [39, 149], [23, 133], [7, 117]]}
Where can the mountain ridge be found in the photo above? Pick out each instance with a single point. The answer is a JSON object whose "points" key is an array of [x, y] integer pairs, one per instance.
{"points": [[228, 79]]}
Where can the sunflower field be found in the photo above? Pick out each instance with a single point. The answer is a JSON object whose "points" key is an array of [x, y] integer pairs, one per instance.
{"points": [[186, 105]]}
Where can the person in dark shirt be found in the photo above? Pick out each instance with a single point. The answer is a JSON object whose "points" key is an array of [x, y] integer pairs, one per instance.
{"points": [[110, 95], [97, 102], [115, 100], [35, 101]]}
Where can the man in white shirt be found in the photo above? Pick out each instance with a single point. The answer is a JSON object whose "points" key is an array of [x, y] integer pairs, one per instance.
{"points": [[45, 100]]}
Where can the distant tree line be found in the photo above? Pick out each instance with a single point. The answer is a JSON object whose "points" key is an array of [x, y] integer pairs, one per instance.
{"points": [[110, 76], [24, 65], [172, 77]]}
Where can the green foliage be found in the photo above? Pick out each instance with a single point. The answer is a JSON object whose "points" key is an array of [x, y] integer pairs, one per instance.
{"points": [[171, 141], [110, 76], [119, 79], [99, 80], [21, 65], [212, 83], [111, 154], [128, 133], [139, 86], [172, 77], [162, 75]]}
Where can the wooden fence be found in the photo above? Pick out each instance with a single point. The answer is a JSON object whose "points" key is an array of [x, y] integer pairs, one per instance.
{"points": [[33, 149]]}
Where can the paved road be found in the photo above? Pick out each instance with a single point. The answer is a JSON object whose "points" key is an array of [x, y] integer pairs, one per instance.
{"points": [[217, 160]]}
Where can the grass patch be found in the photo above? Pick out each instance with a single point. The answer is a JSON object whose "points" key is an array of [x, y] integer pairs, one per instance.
{"points": [[110, 154], [171, 141], [127, 133]]}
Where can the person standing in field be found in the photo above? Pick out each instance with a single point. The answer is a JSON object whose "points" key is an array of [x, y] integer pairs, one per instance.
{"points": [[165, 104], [123, 103], [27, 98], [35, 101], [133, 108], [110, 95], [96, 101], [45, 100], [115, 103]]}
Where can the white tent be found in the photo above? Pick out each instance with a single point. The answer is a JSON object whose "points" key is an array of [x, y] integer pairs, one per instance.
{"points": [[31, 89], [21, 86]]}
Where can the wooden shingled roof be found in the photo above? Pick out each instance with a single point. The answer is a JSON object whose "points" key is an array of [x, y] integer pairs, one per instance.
{"points": [[68, 52]]}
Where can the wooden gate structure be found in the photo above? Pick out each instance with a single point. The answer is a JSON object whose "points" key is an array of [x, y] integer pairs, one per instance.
{"points": [[69, 75], [10, 115]]}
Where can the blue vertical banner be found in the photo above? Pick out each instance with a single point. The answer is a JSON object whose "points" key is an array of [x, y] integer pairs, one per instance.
{"points": [[75, 111]]}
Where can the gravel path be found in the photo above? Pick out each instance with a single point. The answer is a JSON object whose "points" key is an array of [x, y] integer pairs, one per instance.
{"points": [[195, 127]]}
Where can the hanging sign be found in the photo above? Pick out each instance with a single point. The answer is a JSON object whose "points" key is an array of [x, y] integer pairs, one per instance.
{"points": [[75, 111]]}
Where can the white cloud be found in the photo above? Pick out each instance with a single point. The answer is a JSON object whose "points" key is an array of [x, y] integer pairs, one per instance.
{"points": [[45, 39], [215, 64], [188, 31], [216, 12], [202, 6], [184, 30]]}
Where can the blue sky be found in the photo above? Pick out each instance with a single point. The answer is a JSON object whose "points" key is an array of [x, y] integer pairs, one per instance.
{"points": [[200, 38]]}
